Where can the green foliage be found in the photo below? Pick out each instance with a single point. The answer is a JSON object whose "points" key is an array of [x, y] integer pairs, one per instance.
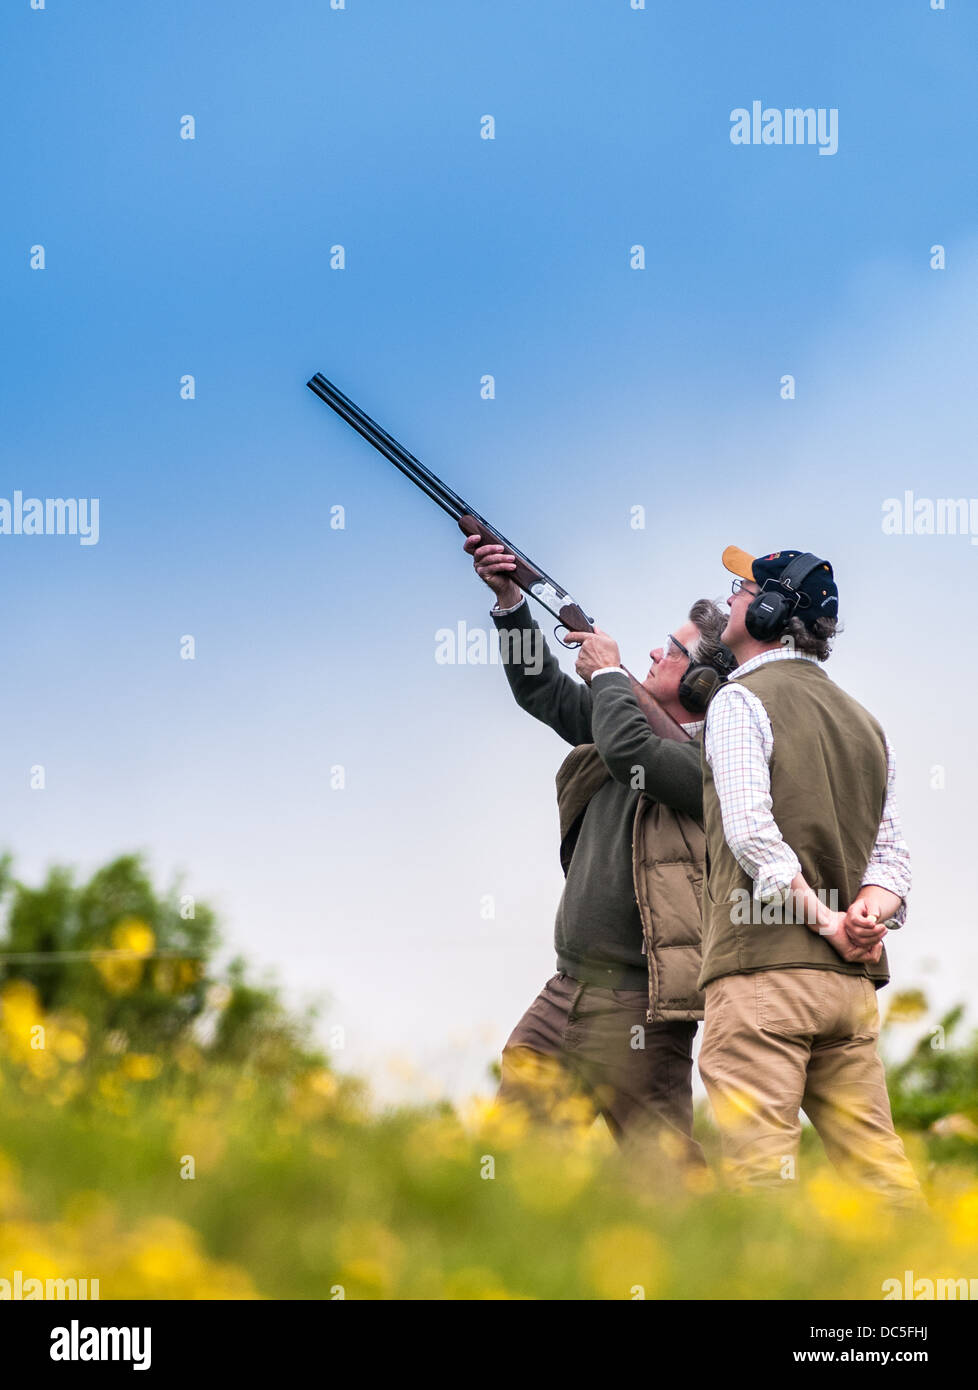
{"points": [[136, 965], [936, 1088], [177, 1135], [254, 1027], [300, 1192]]}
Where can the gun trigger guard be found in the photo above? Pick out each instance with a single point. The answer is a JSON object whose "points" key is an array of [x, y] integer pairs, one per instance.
{"points": [[571, 646]]}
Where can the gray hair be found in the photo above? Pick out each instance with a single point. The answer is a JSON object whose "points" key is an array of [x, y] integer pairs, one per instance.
{"points": [[711, 619]]}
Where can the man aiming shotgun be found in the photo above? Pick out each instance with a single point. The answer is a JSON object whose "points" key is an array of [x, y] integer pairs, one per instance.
{"points": [[614, 1027], [530, 577]]}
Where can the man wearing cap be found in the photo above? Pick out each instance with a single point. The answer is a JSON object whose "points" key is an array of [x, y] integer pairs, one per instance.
{"points": [[805, 864]]}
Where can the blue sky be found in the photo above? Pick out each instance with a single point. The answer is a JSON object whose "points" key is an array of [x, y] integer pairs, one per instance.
{"points": [[614, 387]]}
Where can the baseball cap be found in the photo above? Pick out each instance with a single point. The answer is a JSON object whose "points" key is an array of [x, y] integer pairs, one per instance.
{"points": [[819, 588]]}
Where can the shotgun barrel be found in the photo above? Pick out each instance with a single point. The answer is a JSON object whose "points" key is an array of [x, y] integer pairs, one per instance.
{"points": [[528, 575], [530, 578]]}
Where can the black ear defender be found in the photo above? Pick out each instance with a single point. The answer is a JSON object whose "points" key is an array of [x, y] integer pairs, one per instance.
{"points": [[773, 608], [702, 680]]}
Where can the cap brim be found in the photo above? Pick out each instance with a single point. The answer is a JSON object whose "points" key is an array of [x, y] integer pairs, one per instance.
{"points": [[738, 562]]}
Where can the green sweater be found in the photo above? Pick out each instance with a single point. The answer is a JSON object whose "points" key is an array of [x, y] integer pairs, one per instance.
{"points": [[598, 931]]}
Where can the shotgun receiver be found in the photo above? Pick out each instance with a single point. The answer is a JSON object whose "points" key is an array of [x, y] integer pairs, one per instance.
{"points": [[530, 578]]}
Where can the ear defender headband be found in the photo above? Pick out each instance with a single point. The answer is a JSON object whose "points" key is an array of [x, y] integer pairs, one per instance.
{"points": [[702, 679], [773, 608]]}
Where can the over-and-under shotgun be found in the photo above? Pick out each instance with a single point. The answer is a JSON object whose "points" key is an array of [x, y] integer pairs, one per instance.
{"points": [[530, 577]]}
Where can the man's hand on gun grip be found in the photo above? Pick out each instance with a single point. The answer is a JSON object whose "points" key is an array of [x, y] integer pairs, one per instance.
{"points": [[494, 565], [597, 651]]}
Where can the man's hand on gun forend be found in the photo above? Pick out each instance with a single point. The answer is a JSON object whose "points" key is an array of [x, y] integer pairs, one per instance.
{"points": [[494, 565], [597, 651]]}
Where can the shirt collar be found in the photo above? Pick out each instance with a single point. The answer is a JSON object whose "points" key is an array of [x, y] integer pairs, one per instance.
{"points": [[778, 654], [694, 728]]}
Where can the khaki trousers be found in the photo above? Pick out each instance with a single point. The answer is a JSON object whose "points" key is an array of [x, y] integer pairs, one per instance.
{"points": [[573, 1055], [779, 1041]]}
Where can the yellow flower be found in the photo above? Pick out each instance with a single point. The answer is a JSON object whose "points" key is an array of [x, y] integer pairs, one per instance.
{"points": [[123, 973], [20, 1014], [163, 1259], [189, 973], [906, 1005], [131, 934], [624, 1262], [113, 1093], [67, 1043], [141, 1066], [854, 1215], [963, 1223], [42, 1064], [371, 1257], [9, 1191], [502, 1126], [313, 1093], [549, 1178], [474, 1283]]}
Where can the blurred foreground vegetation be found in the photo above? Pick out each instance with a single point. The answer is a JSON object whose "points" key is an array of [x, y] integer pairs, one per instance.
{"points": [[170, 1128]]}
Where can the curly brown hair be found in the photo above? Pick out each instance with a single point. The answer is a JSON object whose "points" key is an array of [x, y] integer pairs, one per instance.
{"points": [[813, 641]]}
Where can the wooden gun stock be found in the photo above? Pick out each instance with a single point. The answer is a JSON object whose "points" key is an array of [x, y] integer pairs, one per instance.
{"points": [[574, 618], [527, 576]]}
